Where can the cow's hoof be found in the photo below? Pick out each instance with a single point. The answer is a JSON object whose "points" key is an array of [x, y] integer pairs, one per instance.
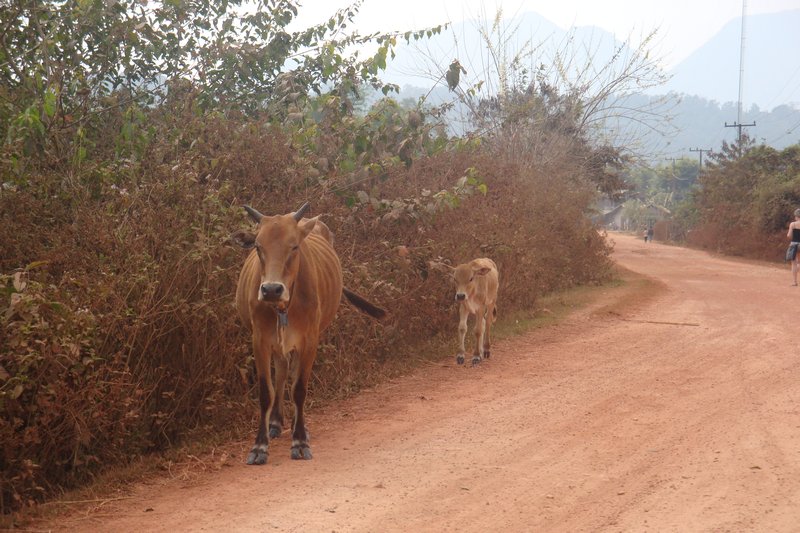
{"points": [[476, 360], [257, 456], [301, 451], [460, 359], [274, 431], [486, 354]]}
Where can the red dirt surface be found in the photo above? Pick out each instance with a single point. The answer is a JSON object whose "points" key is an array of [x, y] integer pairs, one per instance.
{"points": [[674, 407]]}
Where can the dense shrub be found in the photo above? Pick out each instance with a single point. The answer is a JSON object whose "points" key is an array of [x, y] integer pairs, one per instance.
{"points": [[745, 201], [118, 331], [123, 169]]}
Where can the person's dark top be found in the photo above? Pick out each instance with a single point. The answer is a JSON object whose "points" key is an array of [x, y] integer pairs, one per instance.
{"points": [[795, 234]]}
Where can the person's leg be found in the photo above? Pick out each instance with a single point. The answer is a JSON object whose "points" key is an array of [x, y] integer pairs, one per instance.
{"points": [[795, 267]]}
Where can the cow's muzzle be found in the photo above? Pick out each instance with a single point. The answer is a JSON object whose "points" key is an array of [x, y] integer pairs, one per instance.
{"points": [[460, 296], [272, 292]]}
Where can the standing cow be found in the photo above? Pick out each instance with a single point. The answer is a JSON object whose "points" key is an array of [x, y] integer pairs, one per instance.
{"points": [[288, 293], [476, 294]]}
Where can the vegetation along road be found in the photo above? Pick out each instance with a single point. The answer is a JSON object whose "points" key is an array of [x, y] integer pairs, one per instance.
{"points": [[670, 405]]}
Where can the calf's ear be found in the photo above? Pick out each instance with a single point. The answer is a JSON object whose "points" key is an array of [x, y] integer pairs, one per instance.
{"points": [[245, 239], [482, 271]]}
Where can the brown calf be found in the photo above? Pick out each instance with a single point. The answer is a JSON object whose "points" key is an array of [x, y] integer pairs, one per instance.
{"points": [[476, 294], [288, 293]]}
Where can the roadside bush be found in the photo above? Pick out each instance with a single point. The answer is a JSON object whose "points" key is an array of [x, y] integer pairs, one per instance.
{"points": [[745, 202], [119, 336]]}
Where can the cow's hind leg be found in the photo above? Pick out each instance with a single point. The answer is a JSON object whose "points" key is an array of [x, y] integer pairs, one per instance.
{"points": [[276, 414], [302, 375], [258, 455], [463, 314], [491, 314]]}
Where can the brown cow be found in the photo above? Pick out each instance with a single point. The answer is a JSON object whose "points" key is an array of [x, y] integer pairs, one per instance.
{"points": [[288, 292], [476, 293]]}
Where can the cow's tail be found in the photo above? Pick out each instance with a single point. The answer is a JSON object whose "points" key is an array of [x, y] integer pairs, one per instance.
{"points": [[363, 305]]}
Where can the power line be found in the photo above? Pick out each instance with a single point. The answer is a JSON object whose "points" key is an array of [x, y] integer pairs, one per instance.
{"points": [[784, 134]]}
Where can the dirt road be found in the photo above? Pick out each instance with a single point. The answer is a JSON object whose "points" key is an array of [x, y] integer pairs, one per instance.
{"points": [[681, 413]]}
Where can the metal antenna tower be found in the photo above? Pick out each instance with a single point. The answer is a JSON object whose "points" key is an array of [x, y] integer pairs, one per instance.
{"points": [[741, 64], [738, 122]]}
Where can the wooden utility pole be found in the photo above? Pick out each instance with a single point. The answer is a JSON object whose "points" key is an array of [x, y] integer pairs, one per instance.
{"points": [[701, 150], [739, 136], [673, 184]]}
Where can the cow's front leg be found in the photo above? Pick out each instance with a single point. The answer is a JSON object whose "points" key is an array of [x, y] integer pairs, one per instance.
{"points": [[463, 313], [258, 455], [480, 323], [276, 414], [305, 362]]}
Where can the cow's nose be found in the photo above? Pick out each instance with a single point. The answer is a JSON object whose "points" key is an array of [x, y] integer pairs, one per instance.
{"points": [[271, 291], [460, 296]]}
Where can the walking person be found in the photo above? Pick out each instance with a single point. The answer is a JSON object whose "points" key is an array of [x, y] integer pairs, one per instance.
{"points": [[791, 252]]}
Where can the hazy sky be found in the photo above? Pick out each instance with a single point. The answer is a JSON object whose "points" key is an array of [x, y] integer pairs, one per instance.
{"points": [[684, 25]]}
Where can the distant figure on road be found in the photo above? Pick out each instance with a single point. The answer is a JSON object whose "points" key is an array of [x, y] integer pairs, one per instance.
{"points": [[791, 252], [645, 235], [650, 234]]}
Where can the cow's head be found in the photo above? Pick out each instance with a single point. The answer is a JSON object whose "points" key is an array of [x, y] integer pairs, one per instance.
{"points": [[464, 277], [277, 242]]}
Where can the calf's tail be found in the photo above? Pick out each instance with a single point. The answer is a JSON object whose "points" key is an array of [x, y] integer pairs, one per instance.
{"points": [[363, 305]]}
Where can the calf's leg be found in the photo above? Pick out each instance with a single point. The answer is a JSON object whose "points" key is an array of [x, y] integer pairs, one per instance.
{"points": [[480, 323], [487, 341], [463, 313]]}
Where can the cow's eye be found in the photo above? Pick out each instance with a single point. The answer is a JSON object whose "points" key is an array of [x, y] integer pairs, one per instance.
{"points": [[295, 247]]}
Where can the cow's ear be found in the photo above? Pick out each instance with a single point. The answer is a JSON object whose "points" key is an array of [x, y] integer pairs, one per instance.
{"points": [[482, 271], [306, 226], [245, 239]]}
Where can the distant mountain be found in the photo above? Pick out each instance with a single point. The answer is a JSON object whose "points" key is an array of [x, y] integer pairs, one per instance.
{"points": [[422, 63], [705, 83], [771, 63], [700, 123]]}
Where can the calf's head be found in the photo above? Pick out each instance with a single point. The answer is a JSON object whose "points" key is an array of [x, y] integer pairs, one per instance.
{"points": [[465, 276], [277, 243]]}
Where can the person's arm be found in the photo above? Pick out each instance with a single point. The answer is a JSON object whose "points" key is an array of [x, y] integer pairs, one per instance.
{"points": [[789, 233]]}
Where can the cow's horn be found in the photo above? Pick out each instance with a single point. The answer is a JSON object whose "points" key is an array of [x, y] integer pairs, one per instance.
{"points": [[300, 212], [255, 215]]}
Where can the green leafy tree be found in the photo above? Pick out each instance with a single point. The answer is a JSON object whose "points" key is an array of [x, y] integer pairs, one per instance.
{"points": [[65, 65]]}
